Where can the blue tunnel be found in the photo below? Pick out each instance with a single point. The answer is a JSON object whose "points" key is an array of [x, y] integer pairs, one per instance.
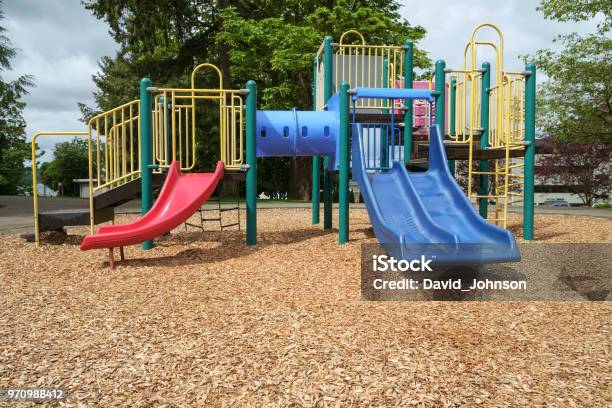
{"points": [[298, 133]]}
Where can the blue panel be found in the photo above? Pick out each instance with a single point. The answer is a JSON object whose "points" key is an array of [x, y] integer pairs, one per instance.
{"points": [[395, 93]]}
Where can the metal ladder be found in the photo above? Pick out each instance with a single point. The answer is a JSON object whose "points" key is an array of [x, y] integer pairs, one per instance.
{"points": [[203, 211]]}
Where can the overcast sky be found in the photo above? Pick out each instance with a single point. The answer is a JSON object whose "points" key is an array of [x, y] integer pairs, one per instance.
{"points": [[60, 43]]}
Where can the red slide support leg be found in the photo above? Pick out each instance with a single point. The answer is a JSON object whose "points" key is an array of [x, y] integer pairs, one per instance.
{"points": [[111, 258]]}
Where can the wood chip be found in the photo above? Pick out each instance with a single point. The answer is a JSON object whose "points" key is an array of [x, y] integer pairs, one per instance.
{"points": [[204, 320]]}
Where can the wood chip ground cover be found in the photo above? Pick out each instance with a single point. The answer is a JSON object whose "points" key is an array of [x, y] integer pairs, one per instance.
{"points": [[203, 320]]}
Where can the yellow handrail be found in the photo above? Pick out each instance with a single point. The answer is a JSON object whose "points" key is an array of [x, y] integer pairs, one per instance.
{"points": [[506, 117], [119, 131], [344, 34], [182, 103], [34, 176]]}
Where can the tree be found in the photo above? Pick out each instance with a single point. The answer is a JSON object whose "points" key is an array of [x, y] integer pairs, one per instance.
{"points": [[584, 169], [277, 53], [271, 42], [13, 147], [575, 103], [70, 161]]}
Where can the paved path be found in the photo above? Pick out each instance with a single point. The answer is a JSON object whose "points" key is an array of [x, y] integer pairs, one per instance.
{"points": [[16, 211]]}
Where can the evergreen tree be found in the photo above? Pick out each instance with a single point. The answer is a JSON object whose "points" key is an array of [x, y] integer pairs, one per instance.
{"points": [[272, 42], [13, 147]]}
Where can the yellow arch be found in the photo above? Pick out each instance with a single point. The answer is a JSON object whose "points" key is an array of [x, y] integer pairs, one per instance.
{"points": [[206, 65], [352, 32], [499, 50]]}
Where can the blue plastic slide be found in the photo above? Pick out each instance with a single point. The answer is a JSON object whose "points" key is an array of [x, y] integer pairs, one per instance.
{"points": [[427, 213]]}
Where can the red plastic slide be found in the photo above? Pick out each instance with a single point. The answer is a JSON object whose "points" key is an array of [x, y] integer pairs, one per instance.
{"points": [[180, 197]]}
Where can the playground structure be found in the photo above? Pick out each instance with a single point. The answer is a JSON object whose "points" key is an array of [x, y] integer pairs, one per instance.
{"points": [[477, 116], [486, 113]]}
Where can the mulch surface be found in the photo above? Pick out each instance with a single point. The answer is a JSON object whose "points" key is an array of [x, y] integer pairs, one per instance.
{"points": [[204, 320]]}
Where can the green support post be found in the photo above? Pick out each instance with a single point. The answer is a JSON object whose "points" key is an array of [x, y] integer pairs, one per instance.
{"points": [[146, 152], [440, 80], [327, 93], [408, 78], [343, 185], [384, 138], [530, 119], [315, 159], [483, 179], [251, 161]]}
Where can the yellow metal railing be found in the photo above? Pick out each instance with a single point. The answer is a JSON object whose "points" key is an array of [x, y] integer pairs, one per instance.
{"points": [[113, 150], [175, 120], [362, 65], [174, 126], [114, 140], [35, 177], [506, 120], [467, 106]]}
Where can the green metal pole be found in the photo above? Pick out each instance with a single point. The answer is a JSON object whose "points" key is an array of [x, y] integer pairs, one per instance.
{"points": [[343, 185], [146, 152], [327, 93], [384, 136], [530, 120], [315, 159], [408, 78], [483, 180], [440, 80], [251, 161]]}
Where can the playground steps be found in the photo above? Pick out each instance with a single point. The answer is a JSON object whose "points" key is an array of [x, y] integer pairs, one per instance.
{"points": [[104, 206], [215, 214]]}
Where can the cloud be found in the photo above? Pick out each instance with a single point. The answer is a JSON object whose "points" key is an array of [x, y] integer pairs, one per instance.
{"points": [[59, 43], [449, 25]]}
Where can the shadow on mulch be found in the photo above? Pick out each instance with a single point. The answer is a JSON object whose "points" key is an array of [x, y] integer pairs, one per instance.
{"points": [[517, 230], [368, 233], [60, 238], [231, 246]]}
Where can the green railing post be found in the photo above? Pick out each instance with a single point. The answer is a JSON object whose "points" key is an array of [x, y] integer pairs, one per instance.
{"points": [[483, 179], [146, 152], [384, 136], [251, 161], [408, 78], [315, 159], [440, 80], [327, 93], [530, 125], [343, 185]]}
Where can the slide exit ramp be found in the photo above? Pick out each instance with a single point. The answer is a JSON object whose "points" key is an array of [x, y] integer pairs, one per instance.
{"points": [[426, 213], [181, 196]]}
